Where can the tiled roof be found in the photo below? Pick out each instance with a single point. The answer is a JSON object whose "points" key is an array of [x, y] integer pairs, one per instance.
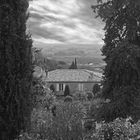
{"points": [[72, 75]]}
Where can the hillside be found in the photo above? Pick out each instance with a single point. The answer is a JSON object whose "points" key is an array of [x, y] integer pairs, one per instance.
{"points": [[88, 56]]}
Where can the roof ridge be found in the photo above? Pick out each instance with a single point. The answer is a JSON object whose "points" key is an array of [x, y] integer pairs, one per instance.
{"points": [[71, 69]]}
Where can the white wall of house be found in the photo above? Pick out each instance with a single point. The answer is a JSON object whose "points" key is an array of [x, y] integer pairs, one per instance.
{"points": [[81, 86], [57, 87], [73, 86]]}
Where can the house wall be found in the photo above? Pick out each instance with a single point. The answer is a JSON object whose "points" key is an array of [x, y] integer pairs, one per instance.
{"points": [[73, 87], [88, 86]]}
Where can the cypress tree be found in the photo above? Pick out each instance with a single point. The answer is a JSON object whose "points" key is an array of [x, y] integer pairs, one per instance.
{"points": [[67, 91], [52, 88], [72, 65], [122, 56], [15, 68], [75, 63]]}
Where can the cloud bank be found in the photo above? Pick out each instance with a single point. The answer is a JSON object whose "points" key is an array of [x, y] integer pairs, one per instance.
{"points": [[64, 22]]}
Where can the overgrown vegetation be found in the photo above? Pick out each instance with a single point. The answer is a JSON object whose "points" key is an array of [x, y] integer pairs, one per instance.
{"points": [[119, 129], [55, 119], [72, 118]]}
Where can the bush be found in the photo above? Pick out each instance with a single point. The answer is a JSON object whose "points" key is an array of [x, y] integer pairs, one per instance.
{"points": [[41, 96], [89, 95], [119, 129], [65, 125], [96, 89], [68, 99], [68, 122], [89, 125], [80, 96], [94, 107], [52, 88]]}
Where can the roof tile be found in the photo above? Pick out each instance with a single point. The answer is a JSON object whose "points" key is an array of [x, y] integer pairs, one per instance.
{"points": [[72, 75]]}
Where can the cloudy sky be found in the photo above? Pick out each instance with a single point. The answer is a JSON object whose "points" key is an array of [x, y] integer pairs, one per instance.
{"points": [[64, 22]]}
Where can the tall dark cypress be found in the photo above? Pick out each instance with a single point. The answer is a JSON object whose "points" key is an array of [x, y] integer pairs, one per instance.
{"points": [[75, 63], [15, 68], [72, 66], [121, 83]]}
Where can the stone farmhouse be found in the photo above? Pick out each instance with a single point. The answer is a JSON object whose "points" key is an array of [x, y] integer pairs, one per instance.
{"points": [[77, 80]]}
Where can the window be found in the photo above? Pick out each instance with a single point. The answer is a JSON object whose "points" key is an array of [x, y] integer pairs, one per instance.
{"points": [[61, 87]]}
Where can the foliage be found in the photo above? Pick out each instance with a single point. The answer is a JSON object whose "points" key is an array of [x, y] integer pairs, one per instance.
{"points": [[119, 129], [67, 91], [80, 96], [68, 99], [66, 125], [42, 96], [124, 105], [15, 68], [52, 88], [68, 121], [122, 55], [89, 125], [95, 104], [89, 96], [96, 89]]}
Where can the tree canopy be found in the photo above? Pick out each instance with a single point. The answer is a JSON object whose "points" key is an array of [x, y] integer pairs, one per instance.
{"points": [[122, 56], [15, 69]]}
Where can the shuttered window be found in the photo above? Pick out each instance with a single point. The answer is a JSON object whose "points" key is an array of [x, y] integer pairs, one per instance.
{"points": [[61, 87], [81, 87]]}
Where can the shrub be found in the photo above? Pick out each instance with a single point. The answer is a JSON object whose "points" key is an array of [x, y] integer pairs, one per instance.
{"points": [[96, 103], [42, 96], [52, 88], [119, 129], [80, 96], [96, 89], [89, 95], [65, 125], [68, 99], [68, 122]]}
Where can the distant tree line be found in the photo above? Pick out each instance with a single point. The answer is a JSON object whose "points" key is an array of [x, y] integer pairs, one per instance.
{"points": [[46, 63]]}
